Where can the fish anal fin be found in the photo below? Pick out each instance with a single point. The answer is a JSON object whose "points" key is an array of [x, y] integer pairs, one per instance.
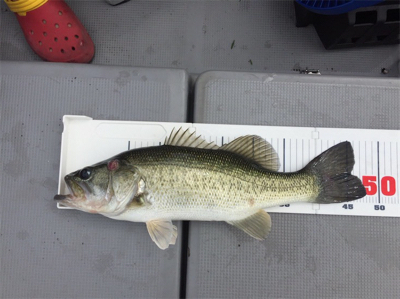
{"points": [[182, 137], [162, 232], [257, 225], [255, 148]]}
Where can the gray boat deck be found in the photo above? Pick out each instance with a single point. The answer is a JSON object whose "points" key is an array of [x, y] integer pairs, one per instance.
{"points": [[49, 253]]}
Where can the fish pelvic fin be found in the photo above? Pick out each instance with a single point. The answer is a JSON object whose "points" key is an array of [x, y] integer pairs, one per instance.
{"points": [[333, 171], [254, 148], [257, 225], [162, 232]]}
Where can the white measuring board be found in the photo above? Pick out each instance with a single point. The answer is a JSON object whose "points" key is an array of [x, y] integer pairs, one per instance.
{"points": [[86, 141]]}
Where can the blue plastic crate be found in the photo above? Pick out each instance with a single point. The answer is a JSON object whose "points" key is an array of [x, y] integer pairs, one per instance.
{"points": [[334, 7]]}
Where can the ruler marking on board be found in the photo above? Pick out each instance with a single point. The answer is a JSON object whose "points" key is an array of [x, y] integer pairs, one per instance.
{"points": [[278, 144], [359, 155], [372, 157], [384, 157], [379, 178], [284, 154], [390, 157], [296, 150], [290, 154], [365, 156]]}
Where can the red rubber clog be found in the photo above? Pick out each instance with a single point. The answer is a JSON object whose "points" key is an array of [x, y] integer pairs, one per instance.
{"points": [[53, 30]]}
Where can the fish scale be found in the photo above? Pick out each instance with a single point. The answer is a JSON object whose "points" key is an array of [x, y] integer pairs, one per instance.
{"points": [[183, 183]]}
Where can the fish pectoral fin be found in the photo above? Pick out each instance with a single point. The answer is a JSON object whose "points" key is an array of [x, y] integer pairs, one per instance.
{"points": [[254, 148], [162, 232], [257, 225]]}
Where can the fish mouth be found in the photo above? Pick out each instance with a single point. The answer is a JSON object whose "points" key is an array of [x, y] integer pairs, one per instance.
{"points": [[77, 193], [60, 197], [67, 200]]}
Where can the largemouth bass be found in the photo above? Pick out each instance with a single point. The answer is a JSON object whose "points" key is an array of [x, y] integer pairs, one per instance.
{"points": [[188, 178]]}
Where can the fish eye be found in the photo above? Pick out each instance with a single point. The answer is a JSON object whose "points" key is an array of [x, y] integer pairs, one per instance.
{"points": [[85, 174]]}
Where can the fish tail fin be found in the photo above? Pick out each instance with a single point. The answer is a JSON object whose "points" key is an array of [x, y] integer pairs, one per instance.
{"points": [[333, 170]]}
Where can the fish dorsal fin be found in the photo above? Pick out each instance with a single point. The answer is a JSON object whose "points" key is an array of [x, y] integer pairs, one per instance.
{"points": [[257, 225], [256, 149], [162, 232], [182, 137]]}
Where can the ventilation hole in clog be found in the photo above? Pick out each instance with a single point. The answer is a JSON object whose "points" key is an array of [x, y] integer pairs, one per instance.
{"points": [[73, 48], [60, 13], [55, 39], [44, 33], [62, 51], [31, 32], [56, 25], [69, 25], [76, 36], [44, 21], [40, 43], [50, 49], [66, 38]]}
